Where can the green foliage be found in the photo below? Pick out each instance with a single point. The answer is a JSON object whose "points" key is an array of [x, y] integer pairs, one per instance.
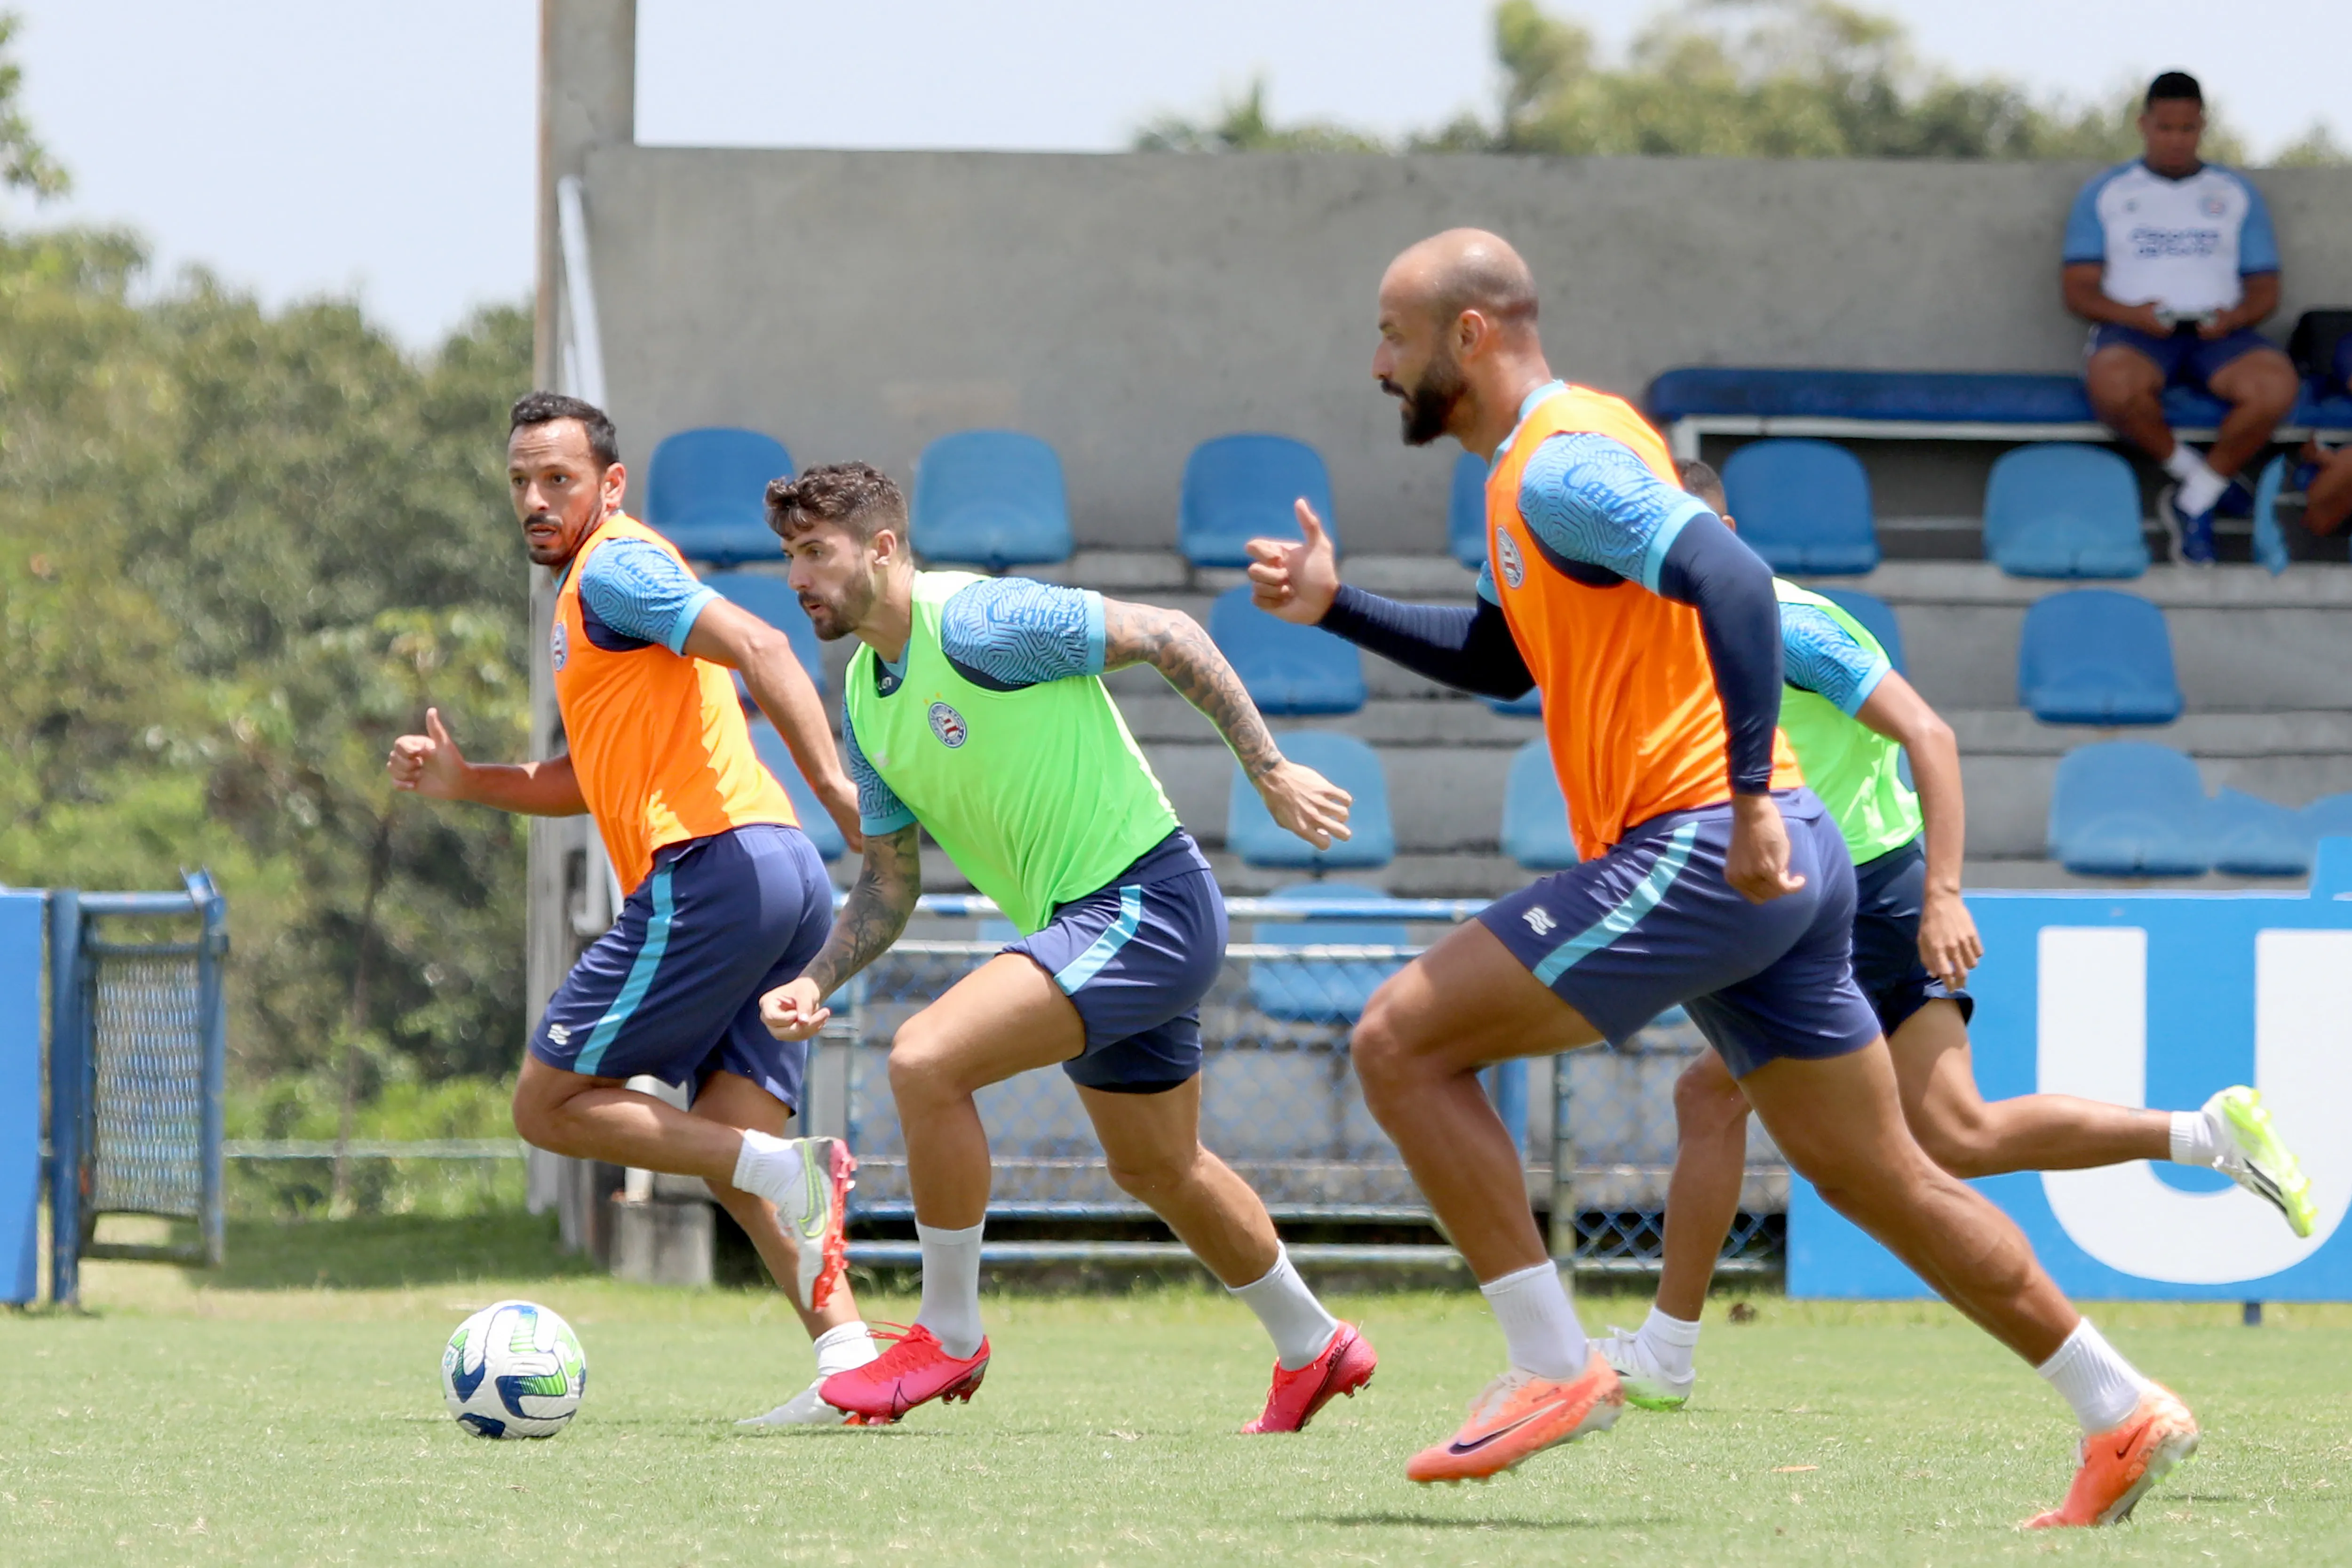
{"points": [[25, 164], [403, 1108], [1734, 78], [1242, 126], [238, 551]]}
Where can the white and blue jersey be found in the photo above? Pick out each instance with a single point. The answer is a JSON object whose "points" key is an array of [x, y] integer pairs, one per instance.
{"points": [[2182, 245], [1001, 632]]}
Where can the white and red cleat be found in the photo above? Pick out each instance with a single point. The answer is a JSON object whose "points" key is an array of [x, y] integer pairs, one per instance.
{"points": [[1345, 1366], [914, 1371]]}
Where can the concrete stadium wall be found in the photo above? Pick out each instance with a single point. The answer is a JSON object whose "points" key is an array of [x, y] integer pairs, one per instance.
{"points": [[1125, 307]]}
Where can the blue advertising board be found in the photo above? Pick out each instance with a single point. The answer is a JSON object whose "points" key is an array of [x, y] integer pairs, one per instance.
{"points": [[2152, 999], [21, 918]]}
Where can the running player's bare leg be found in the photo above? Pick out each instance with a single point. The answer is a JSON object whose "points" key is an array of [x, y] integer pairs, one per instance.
{"points": [[1970, 1136], [732, 1101], [1703, 1194], [586, 1117], [1152, 1142]]}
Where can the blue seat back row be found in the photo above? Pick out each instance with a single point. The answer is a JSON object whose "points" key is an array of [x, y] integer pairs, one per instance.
{"points": [[2132, 808]]}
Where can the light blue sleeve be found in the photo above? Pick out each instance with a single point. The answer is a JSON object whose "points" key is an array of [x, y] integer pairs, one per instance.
{"points": [[879, 809], [2086, 236], [1486, 590], [1022, 632], [1591, 498], [638, 590], [2257, 243], [1820, 656]]}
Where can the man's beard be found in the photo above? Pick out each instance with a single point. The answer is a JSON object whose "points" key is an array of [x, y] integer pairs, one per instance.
{"points": [[1429, 406], [839, 620]]}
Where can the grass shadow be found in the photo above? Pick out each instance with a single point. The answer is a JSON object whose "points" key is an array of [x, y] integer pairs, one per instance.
{"points": [[377, 1252]]}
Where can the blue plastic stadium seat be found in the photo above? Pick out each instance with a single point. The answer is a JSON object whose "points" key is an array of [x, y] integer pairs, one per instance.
{"points": [[2269, 543], [1535, 814], [815, 821], [1804, 506], [1466, 511], [1240, 488], [2063, 509], [1528, 704], [1287, 668], [2255, 837], [992, 499], [1322, 990], [2130, 808], [772, 599], [2092, 656], [1877, 618], [1252, 834], [707, 492]]}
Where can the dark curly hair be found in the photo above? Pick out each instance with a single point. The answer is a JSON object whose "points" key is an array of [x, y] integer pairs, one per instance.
{"points": [[546, 407], [857, 496], [1701, 481]]}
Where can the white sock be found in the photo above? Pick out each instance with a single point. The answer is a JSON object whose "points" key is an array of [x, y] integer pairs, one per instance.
{"points": [[1540, 1326], [1300, 1328], [1669, 1342], [950, 1308], [769, 1167], [2195, 1140], [844, 1349], [2201, 487], [2089, 1375]]}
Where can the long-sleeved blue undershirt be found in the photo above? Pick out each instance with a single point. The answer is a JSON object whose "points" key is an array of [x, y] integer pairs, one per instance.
{"points": [[1602, 515]]}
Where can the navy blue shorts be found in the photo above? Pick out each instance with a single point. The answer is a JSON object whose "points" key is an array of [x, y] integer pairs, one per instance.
{"points": [[674, 988], [1888, 894], [2186, 358], [1654, 924], [1135, 958]]}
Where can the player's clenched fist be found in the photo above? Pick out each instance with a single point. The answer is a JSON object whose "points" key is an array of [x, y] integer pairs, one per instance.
{"points": [[793, 1011], [1305, 803], [429, 764], [1296, 580]]}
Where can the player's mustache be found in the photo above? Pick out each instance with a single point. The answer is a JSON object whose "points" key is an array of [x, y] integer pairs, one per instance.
{"points": [[542, 519], [1392, 389]]}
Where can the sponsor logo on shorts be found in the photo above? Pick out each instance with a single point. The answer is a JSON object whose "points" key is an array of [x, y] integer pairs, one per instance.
{"points": [[1540, 921], [559, 1034], [1507, 556], [557, 646], [949, 726]]}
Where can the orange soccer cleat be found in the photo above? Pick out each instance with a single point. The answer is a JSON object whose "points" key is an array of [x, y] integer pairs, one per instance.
{"points": [[915, 1370], [1519, 1416], [2120, 1464], [1345, 1366]]}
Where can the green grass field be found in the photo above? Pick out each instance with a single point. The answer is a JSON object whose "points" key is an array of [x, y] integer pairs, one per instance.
{"points": [[288, 1411]]}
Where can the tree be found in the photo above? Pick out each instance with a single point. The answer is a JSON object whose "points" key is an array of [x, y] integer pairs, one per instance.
{"points": [[1732, 78]]}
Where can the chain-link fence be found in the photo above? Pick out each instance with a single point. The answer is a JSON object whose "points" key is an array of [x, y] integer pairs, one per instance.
{"points": [[147, 1049], [1281, 1104]]}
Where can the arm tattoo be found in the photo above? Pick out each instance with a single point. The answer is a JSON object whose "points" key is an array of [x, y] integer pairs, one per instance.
{"points": [[1173, 643], [877, 910]]}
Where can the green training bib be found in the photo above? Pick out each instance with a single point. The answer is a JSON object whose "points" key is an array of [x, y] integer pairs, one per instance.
{"points": [[1040, 796]]}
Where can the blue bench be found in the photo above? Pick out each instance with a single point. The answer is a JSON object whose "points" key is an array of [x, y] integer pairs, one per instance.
{"points": [[707, 492], [2130, 808]]}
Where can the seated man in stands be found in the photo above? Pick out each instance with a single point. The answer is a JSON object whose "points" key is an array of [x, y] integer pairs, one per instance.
{"points": [[2173, 263]]}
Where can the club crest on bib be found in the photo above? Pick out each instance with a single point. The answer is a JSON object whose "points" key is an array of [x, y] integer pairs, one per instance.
{"points": [[556, 644], [1507, 557], [949, 726]]}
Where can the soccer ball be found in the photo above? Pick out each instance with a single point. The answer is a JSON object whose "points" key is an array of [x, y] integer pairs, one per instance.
{"points": [[513, 1370]]}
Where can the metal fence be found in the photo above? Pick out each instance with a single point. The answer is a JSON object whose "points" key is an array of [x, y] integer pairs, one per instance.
{"points": [[137, 1042], [1280, 1101]]}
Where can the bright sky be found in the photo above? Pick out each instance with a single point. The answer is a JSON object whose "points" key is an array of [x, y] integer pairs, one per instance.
{"points": [[300, 148]]}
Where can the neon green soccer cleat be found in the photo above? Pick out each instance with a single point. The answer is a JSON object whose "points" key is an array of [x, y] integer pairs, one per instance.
{"points": [[2253, 1156], [1647, 1385]]}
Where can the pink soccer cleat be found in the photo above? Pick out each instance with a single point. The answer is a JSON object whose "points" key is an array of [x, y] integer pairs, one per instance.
{"points": [[915, 1370], [1345, 1366]]}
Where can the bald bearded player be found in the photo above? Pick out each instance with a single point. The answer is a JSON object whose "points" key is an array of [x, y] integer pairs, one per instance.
{"points": [[1710, 878]]}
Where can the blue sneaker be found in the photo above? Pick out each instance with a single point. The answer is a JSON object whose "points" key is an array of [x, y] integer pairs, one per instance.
{"points": [[2193, 537]]}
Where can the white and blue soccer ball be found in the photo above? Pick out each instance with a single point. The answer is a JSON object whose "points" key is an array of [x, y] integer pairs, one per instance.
{"points": [[513, 1370]]}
